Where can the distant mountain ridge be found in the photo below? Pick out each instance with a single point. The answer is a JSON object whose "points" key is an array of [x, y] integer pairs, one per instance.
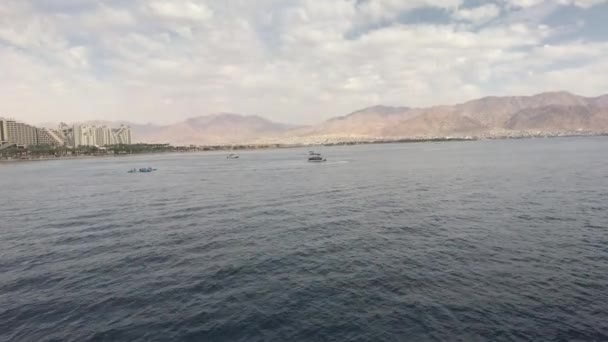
{"points": [[221, 128], [552, 112]]}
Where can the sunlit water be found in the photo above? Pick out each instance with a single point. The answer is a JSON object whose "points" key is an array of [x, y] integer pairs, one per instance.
{"points": [[470, 241]]}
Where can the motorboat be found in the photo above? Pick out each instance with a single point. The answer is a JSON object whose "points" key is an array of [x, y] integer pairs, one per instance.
{"points": [[142, 169], [232, 156], [316, 159]]}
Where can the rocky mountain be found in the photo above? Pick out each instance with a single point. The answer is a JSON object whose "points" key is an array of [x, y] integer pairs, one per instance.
{"points": [[553, 112], [494, 111], [366, 122], [435, 123], [601, 101], [559, 118], [222, 128]]}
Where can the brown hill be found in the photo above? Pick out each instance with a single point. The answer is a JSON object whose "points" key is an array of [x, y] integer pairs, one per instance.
{"points": [[223, 128], [548, 112], [494, 112], [367, 122], [551, 112], [435, 123], [559, 118], [600, 101]]}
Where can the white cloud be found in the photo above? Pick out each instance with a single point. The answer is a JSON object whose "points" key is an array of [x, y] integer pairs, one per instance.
{"points": [[180, 9], [584, 3], [391, 8], [106, 17], [294, 61], [479, 14], [525, 3], [578, 3]]}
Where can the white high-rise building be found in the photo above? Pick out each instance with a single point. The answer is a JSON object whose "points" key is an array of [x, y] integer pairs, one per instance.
{"points": [[87, 135], [19, 133], [123, 135], [104, 136], [77, 136], [50, 137]]}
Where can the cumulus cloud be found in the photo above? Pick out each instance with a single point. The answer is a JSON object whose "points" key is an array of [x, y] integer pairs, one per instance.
{"points": [[479, 14], [578, 3], [180, 9], [295, 61], [524, 3], [583, 3], [392, 8]]}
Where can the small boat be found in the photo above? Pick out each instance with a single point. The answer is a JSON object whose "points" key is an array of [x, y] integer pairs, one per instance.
{"points": [[132, 171], [145, 169], [232, 156], [313, 153], [316, 159]]}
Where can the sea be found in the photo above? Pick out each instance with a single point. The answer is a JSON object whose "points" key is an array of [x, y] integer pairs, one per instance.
{"points": [[493, 240]]}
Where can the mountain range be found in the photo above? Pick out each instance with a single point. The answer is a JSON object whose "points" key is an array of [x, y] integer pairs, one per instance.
{"points": [[546, 113]]}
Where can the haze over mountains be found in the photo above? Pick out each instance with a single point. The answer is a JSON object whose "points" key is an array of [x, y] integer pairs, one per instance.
{"points": [[546, 113], [222, 128]]}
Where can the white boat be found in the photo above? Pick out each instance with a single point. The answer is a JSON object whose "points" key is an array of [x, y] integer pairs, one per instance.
{"points": [[232, 156]]}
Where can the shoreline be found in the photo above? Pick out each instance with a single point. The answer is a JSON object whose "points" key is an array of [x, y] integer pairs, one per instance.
{"points": [[254, 147]]}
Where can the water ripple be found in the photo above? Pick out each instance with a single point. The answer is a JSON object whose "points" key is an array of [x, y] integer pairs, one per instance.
{"points": [[462, 244]]}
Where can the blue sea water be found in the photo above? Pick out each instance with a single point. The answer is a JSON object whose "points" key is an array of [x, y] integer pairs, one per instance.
{"points": [[462, 241]]}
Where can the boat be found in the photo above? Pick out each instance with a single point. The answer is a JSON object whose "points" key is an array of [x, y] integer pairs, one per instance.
{"points": [[313, 153], [232, 156], [316, 159], [142, 169]]}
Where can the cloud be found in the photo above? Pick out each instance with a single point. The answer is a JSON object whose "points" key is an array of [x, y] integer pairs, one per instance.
{"points": [[105, 17], [524, 3], [583, 3], [180, 9], [479, 14], [295, 61], [578, 3], [379, 9]]}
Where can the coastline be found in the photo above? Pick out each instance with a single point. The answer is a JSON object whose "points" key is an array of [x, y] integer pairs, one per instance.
{"points": [[41, 159], [253, 147]]}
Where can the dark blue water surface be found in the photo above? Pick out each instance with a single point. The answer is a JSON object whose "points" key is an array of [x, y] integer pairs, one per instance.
{"points": [[471, 241]]}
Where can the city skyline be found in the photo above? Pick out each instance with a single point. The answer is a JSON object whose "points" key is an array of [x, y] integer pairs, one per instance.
{"points": [[17, 133], [545, 114], [300, 62]]}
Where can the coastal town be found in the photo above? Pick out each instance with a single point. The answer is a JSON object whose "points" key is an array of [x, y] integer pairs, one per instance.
{"points": [[19, 140]]}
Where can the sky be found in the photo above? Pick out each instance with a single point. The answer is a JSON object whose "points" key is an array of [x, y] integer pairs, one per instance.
{"points": [[293, 61]]}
